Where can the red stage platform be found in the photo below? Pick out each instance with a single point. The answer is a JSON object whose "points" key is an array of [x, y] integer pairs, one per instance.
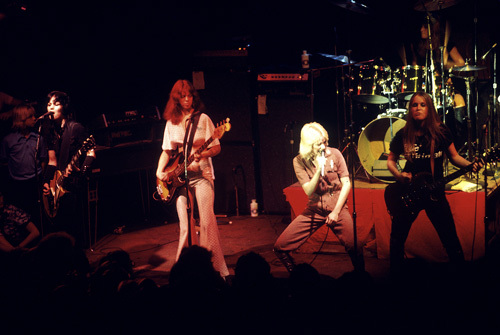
{"points": [[374, 223]]}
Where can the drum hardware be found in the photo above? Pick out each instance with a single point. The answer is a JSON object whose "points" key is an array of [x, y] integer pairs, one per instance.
{"points": [[397, 112], [468, 73]]}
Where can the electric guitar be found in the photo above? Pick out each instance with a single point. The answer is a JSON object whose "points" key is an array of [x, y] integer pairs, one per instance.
{"points": [[412, 197], [56, 189], [175, 167]]}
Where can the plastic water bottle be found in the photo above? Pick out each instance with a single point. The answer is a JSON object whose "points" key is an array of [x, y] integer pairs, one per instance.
{"points": [[305, 59], [254, 208]]}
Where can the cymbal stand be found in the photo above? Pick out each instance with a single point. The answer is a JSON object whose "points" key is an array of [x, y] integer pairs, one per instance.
{"points": [[443, 101], [431, 60], [495, 103], [443, 88], [470, 154]]}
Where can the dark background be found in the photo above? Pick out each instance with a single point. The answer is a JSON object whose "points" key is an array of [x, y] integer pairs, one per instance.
{"points": [[116, 56]]}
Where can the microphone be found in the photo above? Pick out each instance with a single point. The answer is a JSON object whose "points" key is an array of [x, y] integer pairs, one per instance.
{"points": [[44, 116], [289, 125], [323, 165], [486, 54]]}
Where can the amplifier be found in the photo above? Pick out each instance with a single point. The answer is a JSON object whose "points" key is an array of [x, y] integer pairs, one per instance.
{"points": [[130, 126], [283, 77]]}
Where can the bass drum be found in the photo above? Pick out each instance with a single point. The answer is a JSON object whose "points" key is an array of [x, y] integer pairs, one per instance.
{"points": [[373, 146]]}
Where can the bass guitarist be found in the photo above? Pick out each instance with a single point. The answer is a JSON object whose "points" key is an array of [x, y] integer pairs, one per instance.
{"points": [[423, 141], [66, 137], [188, 129]]}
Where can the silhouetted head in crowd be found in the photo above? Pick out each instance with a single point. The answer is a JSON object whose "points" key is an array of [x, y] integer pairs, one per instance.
{"points": [[252, 270], [194, 269]]}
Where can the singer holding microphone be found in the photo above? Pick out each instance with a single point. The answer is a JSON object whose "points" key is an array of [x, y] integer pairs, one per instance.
{"points": [[323, 174], [65, 137]]}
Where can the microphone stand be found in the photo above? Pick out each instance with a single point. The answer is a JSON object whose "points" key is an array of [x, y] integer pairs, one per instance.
{"points": [[350, 154], [37, 180], [189, 205]]}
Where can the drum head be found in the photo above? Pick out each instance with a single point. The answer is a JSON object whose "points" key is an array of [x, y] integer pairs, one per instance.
{"points": [[373, 146]]}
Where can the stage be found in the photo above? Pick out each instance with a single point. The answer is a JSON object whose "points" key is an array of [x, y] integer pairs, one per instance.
{"points": [[474, 213]]}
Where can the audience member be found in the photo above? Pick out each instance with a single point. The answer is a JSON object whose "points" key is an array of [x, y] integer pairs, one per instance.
{"points": [[16, 229]]}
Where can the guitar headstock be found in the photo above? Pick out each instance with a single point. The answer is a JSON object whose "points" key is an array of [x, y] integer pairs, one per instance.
{"points": [[222, 127], [88, 144]]}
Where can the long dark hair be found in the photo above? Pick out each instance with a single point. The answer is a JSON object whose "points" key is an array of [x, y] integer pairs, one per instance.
{"points": [[173, 109], [63, 99], [430, 127]]}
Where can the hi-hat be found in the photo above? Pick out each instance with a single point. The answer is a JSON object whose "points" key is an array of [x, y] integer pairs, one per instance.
{"points": [[468, 68], [357, 7], [370, 99], [433, 5], [340, 58]]}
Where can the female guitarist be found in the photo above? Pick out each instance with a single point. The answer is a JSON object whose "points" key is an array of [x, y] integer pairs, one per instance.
{"points": [[188, 129], [424, 141], [67, 139]]}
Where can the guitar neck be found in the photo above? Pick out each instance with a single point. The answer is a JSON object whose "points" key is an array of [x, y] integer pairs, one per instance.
{"points": [[456, 174], [200, 150]]}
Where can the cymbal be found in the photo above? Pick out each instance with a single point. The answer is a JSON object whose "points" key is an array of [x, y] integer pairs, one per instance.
{"points": [[352, 6], [468, 68], [433, 5], [370, 99], [340, 58]]}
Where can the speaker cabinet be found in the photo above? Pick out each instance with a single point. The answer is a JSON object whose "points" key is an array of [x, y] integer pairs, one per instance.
{"points": [[279, 138]]}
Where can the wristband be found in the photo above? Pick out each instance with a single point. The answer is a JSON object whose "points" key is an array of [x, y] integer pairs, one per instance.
{"points": [[87, 163]]}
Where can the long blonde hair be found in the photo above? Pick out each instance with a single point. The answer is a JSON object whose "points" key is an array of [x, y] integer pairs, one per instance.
{"points": [[311, 133]]}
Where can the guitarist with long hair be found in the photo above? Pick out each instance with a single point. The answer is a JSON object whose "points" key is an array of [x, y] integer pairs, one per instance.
{"points": [[187, 130], [66, 138], [424, 142]]}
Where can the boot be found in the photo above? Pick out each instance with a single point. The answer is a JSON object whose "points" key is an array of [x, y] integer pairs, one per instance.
{"points": [[286, 259]]}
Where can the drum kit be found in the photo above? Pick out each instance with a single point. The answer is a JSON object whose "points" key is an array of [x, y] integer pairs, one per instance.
{"points": [[379, 96]]}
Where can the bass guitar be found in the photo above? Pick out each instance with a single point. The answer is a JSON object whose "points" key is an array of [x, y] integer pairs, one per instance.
{"points": [[412, 197], [175, 167], [56, 189]]}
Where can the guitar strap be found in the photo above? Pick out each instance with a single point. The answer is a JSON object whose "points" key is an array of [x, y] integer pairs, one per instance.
{"points": [[432, 158], [191, 130]]}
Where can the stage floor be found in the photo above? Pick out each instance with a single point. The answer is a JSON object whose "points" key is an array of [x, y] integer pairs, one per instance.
{"points": [[153, 248]]}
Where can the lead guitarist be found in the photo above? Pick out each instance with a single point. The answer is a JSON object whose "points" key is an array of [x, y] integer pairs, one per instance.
{"points": [[66, 137], [424, 136], [185, 112]]}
